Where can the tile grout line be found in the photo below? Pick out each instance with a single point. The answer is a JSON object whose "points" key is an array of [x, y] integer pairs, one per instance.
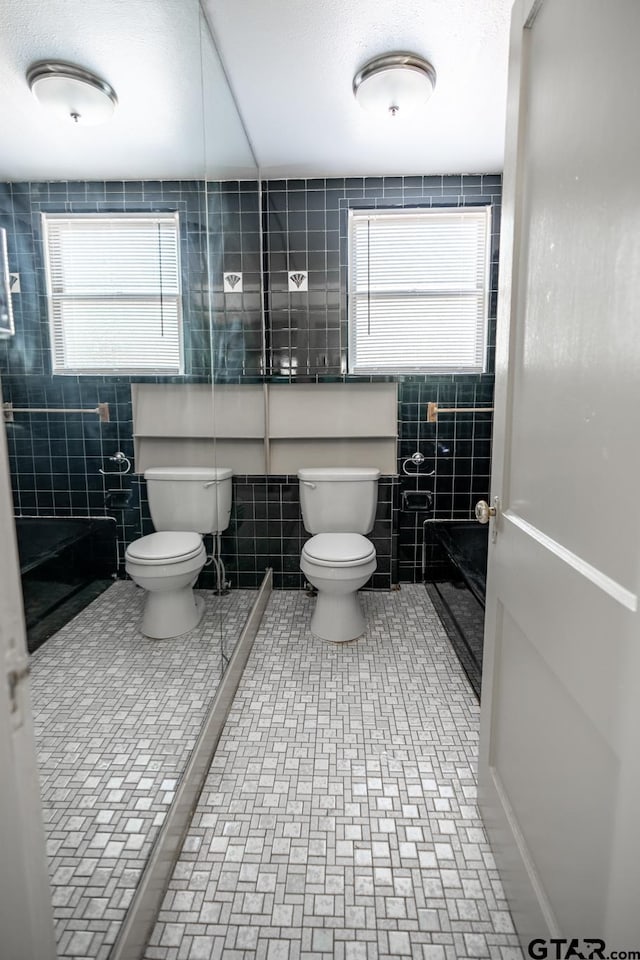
{"points": [[424, 884]]}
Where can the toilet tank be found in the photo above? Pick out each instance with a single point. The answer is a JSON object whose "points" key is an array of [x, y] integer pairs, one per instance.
{"points": [[338, 499], [189, 498]]}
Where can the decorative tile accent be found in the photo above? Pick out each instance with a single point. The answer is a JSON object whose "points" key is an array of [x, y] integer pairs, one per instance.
{"points": [[298, 281], [232, 282], [339, 817], [116, 716]]}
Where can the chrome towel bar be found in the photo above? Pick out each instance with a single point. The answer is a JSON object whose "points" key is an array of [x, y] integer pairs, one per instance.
{"points": [[102, 410], [433, 410]]}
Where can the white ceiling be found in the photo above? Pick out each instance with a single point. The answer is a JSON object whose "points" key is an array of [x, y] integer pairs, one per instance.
{"points": [[290, 64], [156, 55]]}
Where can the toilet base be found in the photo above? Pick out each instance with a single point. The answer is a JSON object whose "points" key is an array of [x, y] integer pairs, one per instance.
{"points": [[172, 613], [337, 618]]}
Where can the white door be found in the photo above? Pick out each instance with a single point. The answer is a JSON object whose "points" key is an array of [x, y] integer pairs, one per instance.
{"points": [[26, 924], [560, 737]]}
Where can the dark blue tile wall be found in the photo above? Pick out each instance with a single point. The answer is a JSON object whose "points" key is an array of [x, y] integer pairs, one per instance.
{"points": [[305, 228], [55, 459], [266, 531]]}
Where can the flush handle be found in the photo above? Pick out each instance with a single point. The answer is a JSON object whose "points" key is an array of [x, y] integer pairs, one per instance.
{"points": [[307, 483]]}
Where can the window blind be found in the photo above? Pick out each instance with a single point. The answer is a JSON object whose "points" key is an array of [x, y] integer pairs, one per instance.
{"points": [[418, 290], [113, 285]]}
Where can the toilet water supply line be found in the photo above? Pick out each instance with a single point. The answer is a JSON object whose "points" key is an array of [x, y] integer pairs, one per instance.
{"points": [[216, 559]]}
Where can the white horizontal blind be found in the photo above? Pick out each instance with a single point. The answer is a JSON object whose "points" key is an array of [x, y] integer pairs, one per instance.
{"points": [[418, 290], [114, 292]]}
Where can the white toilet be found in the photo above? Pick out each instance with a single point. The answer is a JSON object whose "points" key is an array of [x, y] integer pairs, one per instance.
{"points": [[338, 507], [184, 502]]}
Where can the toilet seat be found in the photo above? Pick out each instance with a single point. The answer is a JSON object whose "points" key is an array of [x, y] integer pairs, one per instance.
{"points": [[339, 549], [172, 546]]}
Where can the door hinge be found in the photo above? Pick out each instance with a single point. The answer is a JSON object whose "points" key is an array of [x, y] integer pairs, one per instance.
{"points": [[15, 678]]}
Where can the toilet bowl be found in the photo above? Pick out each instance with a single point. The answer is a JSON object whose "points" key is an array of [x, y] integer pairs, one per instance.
{"points": [[167, 565], [337, 565], [338, 506], [184, 502]]}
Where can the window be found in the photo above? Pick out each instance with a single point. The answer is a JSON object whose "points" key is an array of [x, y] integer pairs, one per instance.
{"points": [[113, 285], [418, 290]]}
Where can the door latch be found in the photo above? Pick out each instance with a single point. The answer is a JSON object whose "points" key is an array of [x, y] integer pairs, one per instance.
{"points": [[484, 513]]}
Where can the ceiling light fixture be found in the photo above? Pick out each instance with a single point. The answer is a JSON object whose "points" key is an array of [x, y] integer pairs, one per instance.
{"points": [[72, 93], [394, 84]]}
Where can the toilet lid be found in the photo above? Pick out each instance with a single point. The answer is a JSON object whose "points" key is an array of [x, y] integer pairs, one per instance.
{"points": [[339, 548], [167, 545]]}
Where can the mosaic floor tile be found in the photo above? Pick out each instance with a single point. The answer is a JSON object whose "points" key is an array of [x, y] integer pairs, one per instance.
{"points": [[339, 816], [115, 717]]}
